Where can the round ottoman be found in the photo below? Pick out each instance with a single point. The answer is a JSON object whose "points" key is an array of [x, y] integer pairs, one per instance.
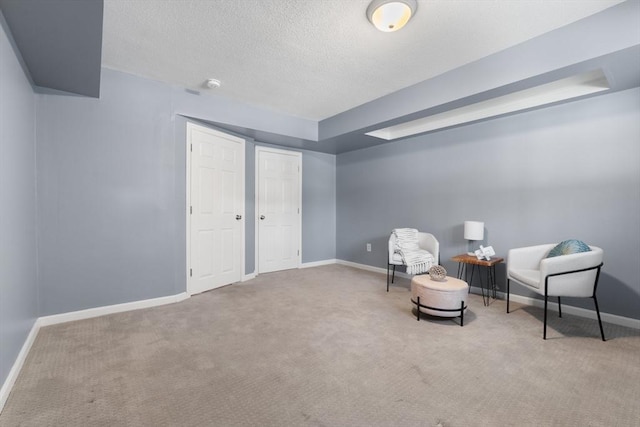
{"points": [[444, 299]]}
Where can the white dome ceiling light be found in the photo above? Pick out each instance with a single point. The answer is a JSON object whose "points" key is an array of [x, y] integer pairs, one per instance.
{"points": [[391, 15]]}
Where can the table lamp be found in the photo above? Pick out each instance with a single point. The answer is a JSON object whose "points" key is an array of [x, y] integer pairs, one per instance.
{"points": [[473, 230]]}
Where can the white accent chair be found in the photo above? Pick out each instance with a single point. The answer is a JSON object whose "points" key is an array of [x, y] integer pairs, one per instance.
{"points": [[426, 241], [574, 275]]}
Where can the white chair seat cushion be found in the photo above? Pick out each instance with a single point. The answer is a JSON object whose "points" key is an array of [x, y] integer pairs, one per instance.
{"points": [[443, 295], [526, 277], [397, 259]]}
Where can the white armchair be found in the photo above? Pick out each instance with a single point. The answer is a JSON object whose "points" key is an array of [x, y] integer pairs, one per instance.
{"points": [[574, 275], [426, 241]]}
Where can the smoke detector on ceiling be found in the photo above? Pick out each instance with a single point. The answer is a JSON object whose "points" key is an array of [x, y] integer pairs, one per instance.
{"points": [[212, 83]]}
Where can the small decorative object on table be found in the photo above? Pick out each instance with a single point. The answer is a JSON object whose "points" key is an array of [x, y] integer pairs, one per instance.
{"points": [[438, 273], [485, 253]]}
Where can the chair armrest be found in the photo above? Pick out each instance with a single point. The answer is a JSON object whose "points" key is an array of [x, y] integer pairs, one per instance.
{"points": [[391, 248], [527, 258], [573, 262], [428, 242], [575, 283]]}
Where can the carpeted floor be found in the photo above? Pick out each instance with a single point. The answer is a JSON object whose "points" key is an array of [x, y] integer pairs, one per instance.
{"points": [[326, 346]]}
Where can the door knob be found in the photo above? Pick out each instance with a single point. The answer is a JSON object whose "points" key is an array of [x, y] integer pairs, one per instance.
{"points": [[238, 217], [261, 216]]}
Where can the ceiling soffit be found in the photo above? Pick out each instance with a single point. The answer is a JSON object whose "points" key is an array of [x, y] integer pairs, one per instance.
{"points": [[608, 40]]}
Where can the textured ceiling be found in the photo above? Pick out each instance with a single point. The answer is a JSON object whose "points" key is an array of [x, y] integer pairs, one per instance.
{"points": [[315, 59]]}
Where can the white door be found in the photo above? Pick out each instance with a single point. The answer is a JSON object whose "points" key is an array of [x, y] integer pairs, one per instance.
{"points": [[215, 247], [278, 209]]}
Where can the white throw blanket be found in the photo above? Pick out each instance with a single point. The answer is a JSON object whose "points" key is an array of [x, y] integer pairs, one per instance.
{"points": [[417, 260]]}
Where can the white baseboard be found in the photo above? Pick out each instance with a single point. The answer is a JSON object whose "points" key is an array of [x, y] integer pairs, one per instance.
{"points": [[372, 268], [302, 265], [17, 365], [109, 309], [317, 263], [569, 309], [249, 276], [361, 266]]}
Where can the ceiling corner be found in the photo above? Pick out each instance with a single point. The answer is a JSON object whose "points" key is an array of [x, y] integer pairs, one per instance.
{"points": [[60, 42]]}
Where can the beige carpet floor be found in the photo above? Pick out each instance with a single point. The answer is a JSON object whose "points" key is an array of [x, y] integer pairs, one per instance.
{"points": [[326, 346]]}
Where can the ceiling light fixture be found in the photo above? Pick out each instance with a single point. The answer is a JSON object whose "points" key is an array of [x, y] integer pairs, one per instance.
{"points": [[391, 15], [212, 83]]}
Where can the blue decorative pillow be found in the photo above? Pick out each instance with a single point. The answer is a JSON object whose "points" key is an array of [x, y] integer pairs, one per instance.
{"points": [[569, 247]]}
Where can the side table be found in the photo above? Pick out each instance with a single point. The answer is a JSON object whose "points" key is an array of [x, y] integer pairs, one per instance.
{"points": [[464, 260]]}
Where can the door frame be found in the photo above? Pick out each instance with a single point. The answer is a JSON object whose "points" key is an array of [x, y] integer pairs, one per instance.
{"points": [[188, 148], [298, 154]]}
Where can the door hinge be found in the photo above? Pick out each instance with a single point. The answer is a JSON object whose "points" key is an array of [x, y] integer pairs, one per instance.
{"points": [[190, 272], [298, 252], [298, 210], [191, 209], [191, 148]]}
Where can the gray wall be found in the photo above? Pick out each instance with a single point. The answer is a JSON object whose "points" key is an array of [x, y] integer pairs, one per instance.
{"points": [[18, 258], [107, 196], [111, 177], [568, 171], [318, 206]]}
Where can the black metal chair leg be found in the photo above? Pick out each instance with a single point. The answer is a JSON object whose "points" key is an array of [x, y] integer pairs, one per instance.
{"points": [[559, 308], [595, 300], [546, 297], [544, 334], [494, 281], [387, 277], [508, 286], [462, 313], [393, 276]]}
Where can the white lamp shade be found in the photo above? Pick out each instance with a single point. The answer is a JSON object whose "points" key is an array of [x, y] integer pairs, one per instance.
{"points": [[473, 230]]}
